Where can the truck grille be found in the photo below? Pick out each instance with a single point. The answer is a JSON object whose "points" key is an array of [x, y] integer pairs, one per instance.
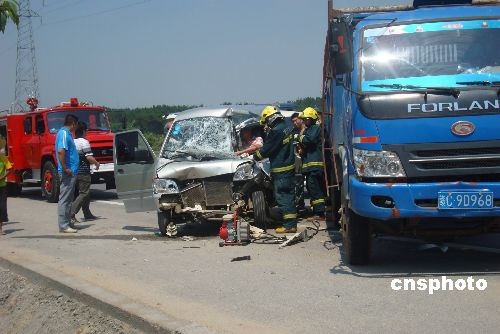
{"points": [[474, 161], [103, 155]]}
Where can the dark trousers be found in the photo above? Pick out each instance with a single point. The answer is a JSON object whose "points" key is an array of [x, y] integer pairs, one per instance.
{"points": [[3, 205], [315, 180], [284, 192], [299, 191], [82, 201]]}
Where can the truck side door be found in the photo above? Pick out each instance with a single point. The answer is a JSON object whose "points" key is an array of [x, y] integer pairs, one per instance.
{"points": [[134, 169], [31, 143]]}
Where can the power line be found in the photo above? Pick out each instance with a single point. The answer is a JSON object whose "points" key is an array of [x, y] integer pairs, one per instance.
{"points": [[66, 5], [97, 13]]}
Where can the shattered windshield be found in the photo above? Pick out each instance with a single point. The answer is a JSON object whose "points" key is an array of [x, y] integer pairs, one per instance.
{"points": [[200, 138], [435, 54]]}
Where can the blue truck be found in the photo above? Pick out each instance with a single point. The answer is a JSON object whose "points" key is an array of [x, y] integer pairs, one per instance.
{"points": [[411, 103]]}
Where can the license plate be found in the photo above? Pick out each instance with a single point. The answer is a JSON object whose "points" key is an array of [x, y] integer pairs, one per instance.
{"points": [[465, 200]]}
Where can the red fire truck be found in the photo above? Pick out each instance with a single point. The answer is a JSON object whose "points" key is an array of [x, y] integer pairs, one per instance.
{"points": [[31, 138]]}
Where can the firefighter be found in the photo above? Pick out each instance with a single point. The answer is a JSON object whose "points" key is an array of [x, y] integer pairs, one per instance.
{"points": [[278, 147], [298, 129], [312, 161]]}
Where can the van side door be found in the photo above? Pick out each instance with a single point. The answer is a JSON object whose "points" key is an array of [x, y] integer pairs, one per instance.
{"points": [[134, 167]]}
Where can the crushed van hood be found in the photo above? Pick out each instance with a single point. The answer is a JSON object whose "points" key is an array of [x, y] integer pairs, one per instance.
{"points": [[189, 170]]}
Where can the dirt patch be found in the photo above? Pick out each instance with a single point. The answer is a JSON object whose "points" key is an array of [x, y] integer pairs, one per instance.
{"points": [[26, 307]]}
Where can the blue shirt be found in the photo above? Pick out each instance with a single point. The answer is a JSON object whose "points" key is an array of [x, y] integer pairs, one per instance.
{"points": [[64, 139]]}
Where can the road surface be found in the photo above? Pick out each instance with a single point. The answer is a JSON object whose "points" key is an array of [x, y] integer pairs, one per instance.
{"points": [[195, 287]]}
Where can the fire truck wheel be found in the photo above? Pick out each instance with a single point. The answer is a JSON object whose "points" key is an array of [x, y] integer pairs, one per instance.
{"points": [[50, 182], [259, 208], [14, 189], [356, 237], [164, 219]]}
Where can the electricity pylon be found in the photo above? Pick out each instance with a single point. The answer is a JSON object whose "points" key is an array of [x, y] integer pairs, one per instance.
{"points": [[26, 72]]}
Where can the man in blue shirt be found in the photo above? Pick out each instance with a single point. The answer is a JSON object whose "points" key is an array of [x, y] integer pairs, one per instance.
{"points": [[67, 165]]}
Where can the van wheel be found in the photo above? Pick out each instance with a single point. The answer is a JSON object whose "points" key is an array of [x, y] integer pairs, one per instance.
{"points": [[356, 237], [14, 189], [259, 208], [50, 182], [164, 218]]}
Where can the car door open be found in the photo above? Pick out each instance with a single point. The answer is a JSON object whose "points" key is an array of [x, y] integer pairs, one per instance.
{"points": [[135, 164]]}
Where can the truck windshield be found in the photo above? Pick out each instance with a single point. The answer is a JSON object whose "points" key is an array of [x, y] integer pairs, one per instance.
{"points": [[96, 120], [435, 54], [203, 137]]}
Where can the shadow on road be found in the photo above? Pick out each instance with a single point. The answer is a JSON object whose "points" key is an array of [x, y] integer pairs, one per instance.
{"points": [[97, 192], [197, 230], [13, 230], [140, 229], [407, 258], [122, 237], [10, 223]]}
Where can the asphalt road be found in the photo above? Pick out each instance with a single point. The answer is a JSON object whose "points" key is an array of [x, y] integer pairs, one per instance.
{"points": [[194, 287]]}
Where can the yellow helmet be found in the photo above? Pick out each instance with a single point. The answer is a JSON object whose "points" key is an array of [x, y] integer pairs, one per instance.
{"points": [[266, 112], [309, 113]]}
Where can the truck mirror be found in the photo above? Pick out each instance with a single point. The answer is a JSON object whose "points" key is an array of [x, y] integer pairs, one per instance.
{"points": [[340, 40]]}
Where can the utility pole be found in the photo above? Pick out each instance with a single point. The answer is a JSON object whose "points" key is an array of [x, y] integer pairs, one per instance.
{"points": [[26, 72]]}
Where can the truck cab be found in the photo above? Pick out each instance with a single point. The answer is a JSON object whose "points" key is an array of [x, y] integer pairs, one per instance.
{"points": [[412, 96], [31, 145]]}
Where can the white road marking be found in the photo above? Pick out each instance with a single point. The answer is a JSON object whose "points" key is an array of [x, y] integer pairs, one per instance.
{"points": [[109, 202]]}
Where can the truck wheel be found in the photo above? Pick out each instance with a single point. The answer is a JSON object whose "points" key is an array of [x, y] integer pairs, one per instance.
{"points": [[50, 182], [259, 208], [164, 218], [14, 189], [356, 237]]}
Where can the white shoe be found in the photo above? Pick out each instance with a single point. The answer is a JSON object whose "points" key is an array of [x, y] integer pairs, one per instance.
{"points": [[68, 230]]}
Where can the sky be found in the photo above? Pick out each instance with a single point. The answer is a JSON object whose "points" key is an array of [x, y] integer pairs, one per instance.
{"points": [[139, 53]]}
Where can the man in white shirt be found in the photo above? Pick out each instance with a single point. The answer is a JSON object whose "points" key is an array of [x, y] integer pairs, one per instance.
{"points": [[82, 201]]}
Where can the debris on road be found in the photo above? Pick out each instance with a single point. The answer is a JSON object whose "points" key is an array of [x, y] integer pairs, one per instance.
{"points": [[299, 236], [241, 258]]}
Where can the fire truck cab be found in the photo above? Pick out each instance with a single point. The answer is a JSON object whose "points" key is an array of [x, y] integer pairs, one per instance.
{"points": [[31, 145]]}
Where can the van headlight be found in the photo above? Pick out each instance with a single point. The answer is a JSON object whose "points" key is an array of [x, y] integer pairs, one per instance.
{"points": [[377, 164], [245, 172], [165, 186]]}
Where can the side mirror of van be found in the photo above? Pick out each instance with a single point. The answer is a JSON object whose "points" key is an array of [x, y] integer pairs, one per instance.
{"points": [[341, 51]]}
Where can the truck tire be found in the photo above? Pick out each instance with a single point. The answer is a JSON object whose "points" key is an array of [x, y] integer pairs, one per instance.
{"points": [[164, 218], [50, 182], [14, 189], [356, 237], [259, 208]]}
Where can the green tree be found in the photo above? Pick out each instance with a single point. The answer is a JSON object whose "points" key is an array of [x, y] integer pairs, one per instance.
{"points": [[8, 10], [302, 103]]}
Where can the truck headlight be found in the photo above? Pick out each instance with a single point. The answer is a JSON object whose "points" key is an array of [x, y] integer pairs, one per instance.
{"points": [[377, 164], [244, 172], [165, 186]]}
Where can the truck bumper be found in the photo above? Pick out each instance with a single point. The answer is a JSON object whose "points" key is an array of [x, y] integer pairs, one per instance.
{"points": [[103, 168], [415, 200]]}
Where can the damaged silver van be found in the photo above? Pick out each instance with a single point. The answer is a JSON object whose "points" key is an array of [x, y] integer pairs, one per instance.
{"points": [[195, 175]]}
